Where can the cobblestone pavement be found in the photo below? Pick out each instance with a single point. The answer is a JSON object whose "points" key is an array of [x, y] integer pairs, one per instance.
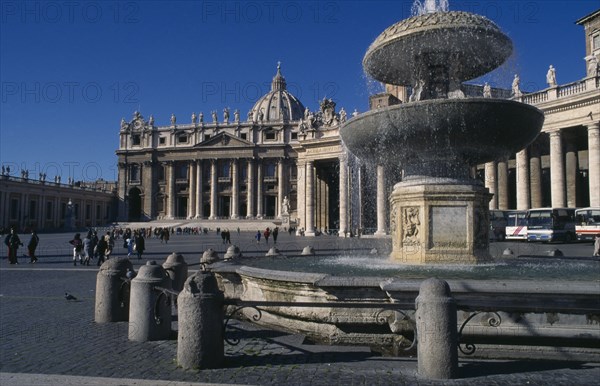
{"points": [[43, 333]]}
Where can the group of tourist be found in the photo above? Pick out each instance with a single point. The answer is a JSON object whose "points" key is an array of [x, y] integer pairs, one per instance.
{"points": [[267, 233]]}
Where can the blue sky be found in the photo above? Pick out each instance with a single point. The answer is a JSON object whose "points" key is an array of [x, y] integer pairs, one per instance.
{"points": [[69, 70]]}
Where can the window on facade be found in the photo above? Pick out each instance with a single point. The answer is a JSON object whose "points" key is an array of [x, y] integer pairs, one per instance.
{"points": [[134, 172], [270, 135], [88, 211], [243, 169], [162, 140], [293, 172], [223, 169], [270, 170], [182, 139], [294, 135], [596, 42], [206, 137], [49, 210], [244, 136], [136, 140], [181, 171], [160, 204]]}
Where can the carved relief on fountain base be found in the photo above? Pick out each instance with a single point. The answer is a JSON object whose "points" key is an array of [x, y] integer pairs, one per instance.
{"points": [[440, 223]]}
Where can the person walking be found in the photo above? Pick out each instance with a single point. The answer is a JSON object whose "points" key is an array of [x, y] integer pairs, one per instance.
{"points": [[101, 249], [88, 248], [12, 241], [31, 247], [275, 234], [267, 233], [140, 245], [597, 245], [129, 244], [110, 244], [77, 249], [257, 237]]}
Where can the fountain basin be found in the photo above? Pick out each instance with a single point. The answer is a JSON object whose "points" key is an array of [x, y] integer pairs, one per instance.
{"points": [[443, 137], [468, 45]]}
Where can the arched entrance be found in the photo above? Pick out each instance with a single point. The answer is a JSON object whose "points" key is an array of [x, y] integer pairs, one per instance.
{"points": [[134, 204]]}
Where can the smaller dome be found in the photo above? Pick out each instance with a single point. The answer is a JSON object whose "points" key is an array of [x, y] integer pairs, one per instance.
{"points": [[279, 104]]}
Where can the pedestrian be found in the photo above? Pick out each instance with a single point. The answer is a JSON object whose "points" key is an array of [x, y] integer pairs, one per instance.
{"points": [[94, 243], [267, 233], [88, 248], [227, 236], [597, 245], [33, 243], [110, 244], [275, 234], [166, 235], [223, 235], [129, 244], [101, 249], [257, 237], [12, 241], [140, 245], [77, 249]]}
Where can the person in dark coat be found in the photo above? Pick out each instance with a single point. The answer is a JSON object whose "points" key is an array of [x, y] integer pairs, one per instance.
{"points": [[31, 247], [140, 245], [12, 241]]}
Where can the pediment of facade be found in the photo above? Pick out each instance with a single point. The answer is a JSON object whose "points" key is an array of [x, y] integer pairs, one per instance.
{"points": [[224, 140]]}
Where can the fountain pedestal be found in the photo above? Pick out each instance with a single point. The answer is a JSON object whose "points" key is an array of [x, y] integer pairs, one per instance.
{"points": [[439, 221]]}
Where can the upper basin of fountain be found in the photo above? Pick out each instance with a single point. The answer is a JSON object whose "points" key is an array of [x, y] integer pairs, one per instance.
{"points": [[468, 45]]}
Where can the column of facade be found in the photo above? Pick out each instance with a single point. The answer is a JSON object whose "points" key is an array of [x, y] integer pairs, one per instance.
{"points": [[594, 163], [235, 190], [310, 200], [191, 213], [122, 208], [170, 190], [301, 196], [57, 217], [41, 215], [259, 189], [381, 211], [199, 190], [571, 175], [557, 170], [502, 185], [535, 178], [490, 183], [149, 204], [343, 195], [24, 209], [213, 189], [250, 189], [522, 168], [280, 185]]}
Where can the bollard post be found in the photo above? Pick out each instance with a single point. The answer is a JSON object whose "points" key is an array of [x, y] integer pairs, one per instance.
{"points": [[437, 347], [112, 291], [150, 309], [200, 323], [177, 269]]}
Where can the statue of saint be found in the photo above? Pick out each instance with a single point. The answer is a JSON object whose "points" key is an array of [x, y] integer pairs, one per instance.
{"points": [[306, 113], [593, 67], [261, 115], [173, 119], [151, 120], [285, 206], [123, 124], [487, 90], [194, 118], [214, 116], [343, 115], [355, 113], [551, 77], [201, 117], [236, 115], [226, 115], [516, 91]]}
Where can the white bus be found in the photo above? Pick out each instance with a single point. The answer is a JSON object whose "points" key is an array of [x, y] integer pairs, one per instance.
{"points": [[516, 225], [588, 223], [551, 224]]}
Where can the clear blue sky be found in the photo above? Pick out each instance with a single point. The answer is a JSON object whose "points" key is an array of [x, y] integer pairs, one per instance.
{"points": [[69, 70]]}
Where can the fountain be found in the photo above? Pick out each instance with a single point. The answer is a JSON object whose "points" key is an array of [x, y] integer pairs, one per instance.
{"points": [[439, 214]]}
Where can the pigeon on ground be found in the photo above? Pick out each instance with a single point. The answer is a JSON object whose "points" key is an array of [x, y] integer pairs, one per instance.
{"points": [[130, 274], [68, 296]]}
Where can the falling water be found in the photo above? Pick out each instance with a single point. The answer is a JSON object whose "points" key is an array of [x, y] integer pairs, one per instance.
{"points": [[429, 6]]}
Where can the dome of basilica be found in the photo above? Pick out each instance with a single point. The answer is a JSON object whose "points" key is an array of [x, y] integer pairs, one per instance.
{"points": [[278, 105]]}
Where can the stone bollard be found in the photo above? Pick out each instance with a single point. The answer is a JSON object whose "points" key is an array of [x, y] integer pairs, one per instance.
{"points": [[308, 251], [200, 323], [209, 256], [112, 291], [437, 337], [150, 309], [233, 252], [177, 270]]}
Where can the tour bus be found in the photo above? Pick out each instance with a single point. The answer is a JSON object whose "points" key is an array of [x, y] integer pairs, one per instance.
{"points": [[551, 224], [588, 223], [516, 225], [497, 225]]}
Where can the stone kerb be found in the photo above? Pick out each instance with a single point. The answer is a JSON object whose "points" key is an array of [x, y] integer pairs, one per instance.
{"points": [[150, 309], [112, 291], [200, 340]]}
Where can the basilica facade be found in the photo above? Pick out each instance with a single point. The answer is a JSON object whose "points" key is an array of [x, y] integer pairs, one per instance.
{"points": [[283, 161]]}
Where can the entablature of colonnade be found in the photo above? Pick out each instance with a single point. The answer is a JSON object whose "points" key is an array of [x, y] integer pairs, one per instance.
{"points": [[322, 148], [570, 105]]}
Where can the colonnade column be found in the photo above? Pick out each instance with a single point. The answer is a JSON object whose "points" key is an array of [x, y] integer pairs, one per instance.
{"points": [[213, 189], [301, 196], [503, 185], [594, 163], [259, 189], [235, 193], [250, 189], [122, 207], [343, 195], [171, 190], [571, 175], [199, 185], [522, 167], [535, 178], [557, 170], [381, 211], [149, 192], [490, 183], [310, 199], [280, 186], [56, 216], [42, 213], [191, 213]]}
